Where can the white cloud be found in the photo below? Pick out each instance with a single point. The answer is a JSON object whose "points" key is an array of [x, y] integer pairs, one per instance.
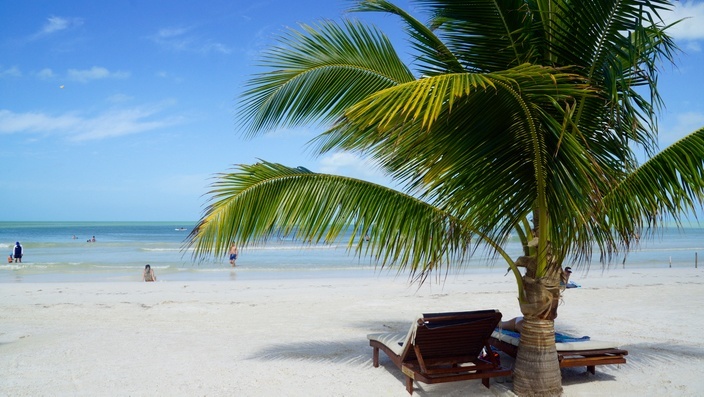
{"points": [[211, 46], [182, 39], [95, 73], [167, 33], [684, 124], [690, 121], [692, 27], [46, 74], [10, 72], [121, 122], [692, 46], [119, 98], [170, 76], [56, 24], [353, 166], [78, 127], [11, 122]]}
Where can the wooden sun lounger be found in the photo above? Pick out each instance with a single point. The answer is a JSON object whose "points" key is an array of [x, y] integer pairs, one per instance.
{"points": [[570, 355], [443, 347]]}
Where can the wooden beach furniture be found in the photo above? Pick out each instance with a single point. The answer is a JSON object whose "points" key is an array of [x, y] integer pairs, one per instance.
{"points": [[443, 347], [571, 353]]}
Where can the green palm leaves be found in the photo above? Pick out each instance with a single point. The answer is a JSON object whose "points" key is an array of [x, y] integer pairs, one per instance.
{"points": [[255, 203], [519, 109], [670, 183], [316, 74]]}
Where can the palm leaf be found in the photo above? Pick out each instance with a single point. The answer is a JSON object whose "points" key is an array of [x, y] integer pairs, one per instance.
{"points": [[264, 200], [669, 184], [486, 36], [313, 75], [484, 170], [434, 57], [616, 44]]}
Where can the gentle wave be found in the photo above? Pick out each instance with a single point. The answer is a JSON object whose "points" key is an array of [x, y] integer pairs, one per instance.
{"points": [[123, 249]]}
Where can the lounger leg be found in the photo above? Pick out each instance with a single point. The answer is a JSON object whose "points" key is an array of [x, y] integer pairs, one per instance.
{"points": [[592, 369], [375, 357], [485, 382], [409, 385]]}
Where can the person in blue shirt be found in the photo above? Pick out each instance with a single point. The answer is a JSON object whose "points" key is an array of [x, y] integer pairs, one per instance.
{"points": [[18, 252]]}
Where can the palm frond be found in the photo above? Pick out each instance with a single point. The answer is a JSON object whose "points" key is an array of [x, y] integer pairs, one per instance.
{"points": [[434, 57], [669, 184], [313, 75], [424, 99], [260, 201], [483, 170], [486, 135], [487, 36], [616, 45]]}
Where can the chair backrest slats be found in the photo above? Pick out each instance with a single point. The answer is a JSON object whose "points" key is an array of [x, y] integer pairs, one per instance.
{"points": [[457, 334]]}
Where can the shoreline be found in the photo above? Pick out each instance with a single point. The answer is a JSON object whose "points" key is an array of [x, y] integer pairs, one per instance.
{"points": [[27, 273], [307, 336]]}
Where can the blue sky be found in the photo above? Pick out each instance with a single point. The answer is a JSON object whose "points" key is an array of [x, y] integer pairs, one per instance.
{"points": [[124, 110]]}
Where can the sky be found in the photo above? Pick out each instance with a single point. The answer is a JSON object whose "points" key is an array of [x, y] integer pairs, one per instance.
{"points": [[126, 110]]}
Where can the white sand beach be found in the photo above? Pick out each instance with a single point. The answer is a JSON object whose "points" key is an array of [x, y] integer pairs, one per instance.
{"points": [[307, 337]]}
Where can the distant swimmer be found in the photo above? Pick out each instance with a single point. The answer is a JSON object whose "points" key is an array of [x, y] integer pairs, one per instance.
{"points": [[9, 258], [233, 254], [18, 252]]}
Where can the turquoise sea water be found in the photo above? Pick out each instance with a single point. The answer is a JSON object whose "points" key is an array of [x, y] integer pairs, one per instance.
{"points": [[52, 254]]}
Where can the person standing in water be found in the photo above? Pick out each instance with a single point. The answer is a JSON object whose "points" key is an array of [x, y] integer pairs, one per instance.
{"points": [[233, 254], [148, 274], [18, 252]]}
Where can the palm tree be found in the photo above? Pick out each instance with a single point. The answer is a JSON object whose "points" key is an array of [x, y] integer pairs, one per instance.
{"points": [[522, 116]]}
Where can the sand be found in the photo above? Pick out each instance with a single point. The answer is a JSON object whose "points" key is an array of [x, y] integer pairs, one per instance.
{"points": [[307, 337]]}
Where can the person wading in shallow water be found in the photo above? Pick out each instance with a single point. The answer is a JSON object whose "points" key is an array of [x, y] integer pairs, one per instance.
{"points": [[18, 252], [233, 254], [148, 274]]}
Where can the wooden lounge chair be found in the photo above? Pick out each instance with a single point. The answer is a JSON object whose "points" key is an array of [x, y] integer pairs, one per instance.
{"points": [[443, 347], [578, 353]]}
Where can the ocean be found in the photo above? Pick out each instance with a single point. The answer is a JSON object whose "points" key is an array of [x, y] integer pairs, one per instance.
{"points": [[62, 252]]}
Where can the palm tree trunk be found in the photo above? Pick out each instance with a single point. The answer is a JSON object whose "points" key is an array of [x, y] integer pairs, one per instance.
{"points": [[537, 369]]}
